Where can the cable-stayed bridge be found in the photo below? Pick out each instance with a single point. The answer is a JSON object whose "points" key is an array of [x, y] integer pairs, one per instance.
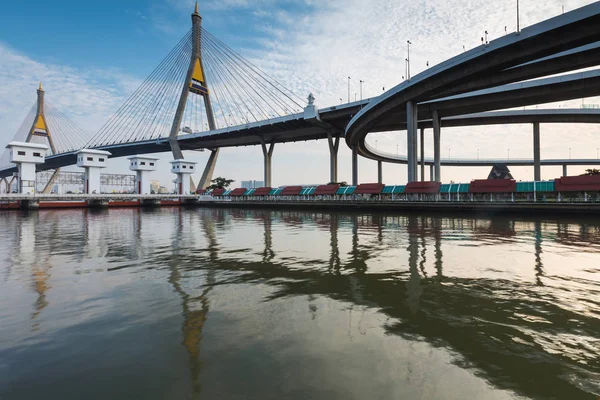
{"points": [[204, 95]]}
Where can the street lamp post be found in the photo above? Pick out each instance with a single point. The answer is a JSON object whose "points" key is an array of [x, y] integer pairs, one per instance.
{"points": [[341, 101], [448, 152], [477, 154], [348, 89], [569, 153], [396, 150], [518, 30], [361, 82], [408, 43]]}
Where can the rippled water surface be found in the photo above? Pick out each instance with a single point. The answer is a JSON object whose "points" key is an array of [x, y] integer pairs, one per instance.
{"points": [[244, 304]]}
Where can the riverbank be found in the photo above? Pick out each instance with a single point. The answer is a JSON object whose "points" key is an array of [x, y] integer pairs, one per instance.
{"points": [[419, 206]]}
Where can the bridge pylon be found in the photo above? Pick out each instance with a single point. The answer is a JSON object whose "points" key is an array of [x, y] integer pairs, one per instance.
{"points": [[196, 85], [41, 128]]}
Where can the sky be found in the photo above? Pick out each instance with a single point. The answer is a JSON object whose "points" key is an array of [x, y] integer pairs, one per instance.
{"points": [[92, 55]]}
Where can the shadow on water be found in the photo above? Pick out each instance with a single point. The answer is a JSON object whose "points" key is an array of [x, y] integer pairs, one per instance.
{"points": [[481, 319]]}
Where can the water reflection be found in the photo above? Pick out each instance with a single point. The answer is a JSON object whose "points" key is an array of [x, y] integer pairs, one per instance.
{"points": [[495, 292]]}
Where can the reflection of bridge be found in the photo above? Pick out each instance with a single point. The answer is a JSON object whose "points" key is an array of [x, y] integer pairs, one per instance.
{"points": [[204, 95], [421, 293]]}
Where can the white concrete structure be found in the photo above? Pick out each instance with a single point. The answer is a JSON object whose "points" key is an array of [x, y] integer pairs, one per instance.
{"points": [[142, 166], [183, 169], [26, 156], [93, 161]]}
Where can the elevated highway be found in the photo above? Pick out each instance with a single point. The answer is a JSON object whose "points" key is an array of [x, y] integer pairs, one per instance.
{"points": [[537, 51]]}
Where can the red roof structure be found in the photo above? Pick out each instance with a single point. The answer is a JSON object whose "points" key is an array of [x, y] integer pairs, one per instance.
{"points": [[369, 188], [493, 186], [327, 190], [200, 191], [583, 183], [422, 187], [291, 191], [263, 191], [217, 192], [238, 192]]}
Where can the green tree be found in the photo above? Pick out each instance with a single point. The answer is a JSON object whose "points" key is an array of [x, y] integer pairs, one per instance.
{"points": [[592, 172], [342, 183], [220, 183]]}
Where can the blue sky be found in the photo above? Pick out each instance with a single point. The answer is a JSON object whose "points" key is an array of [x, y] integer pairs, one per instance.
{"points": [[133, 36], [91, 55]]}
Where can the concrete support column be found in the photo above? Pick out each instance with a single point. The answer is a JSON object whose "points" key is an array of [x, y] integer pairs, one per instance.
{"points": [[411, 137], [354, 166], [268, 156], [334, 144], [379, 171], [422, 154], [564, 170], [431, 176], [436, 146], [209, 169], [537, 166]]}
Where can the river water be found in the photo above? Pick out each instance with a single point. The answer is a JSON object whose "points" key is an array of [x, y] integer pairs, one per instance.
{"points": [[251, 304]]}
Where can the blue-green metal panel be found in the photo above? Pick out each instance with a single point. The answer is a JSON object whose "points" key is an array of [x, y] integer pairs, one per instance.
{"points": [[388, 190], [543, 186], [399, 189], [249, 192]]}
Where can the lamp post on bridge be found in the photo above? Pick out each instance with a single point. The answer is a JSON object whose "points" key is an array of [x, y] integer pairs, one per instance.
{"points": [[349, 89], [361, 83], [518, 29], [408, 43]]}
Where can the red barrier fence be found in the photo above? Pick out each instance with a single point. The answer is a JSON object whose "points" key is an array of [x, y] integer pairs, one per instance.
{"points": [[326, 190], [369, 188], [263, 191], [493, 186], [291, 191], [423, 187], [583, 183]]}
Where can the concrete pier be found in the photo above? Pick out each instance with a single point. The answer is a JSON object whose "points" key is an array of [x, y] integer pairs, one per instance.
{"points": [[354, 166], [436, 146], [268, 158], [537, 166], [334, 144]]}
